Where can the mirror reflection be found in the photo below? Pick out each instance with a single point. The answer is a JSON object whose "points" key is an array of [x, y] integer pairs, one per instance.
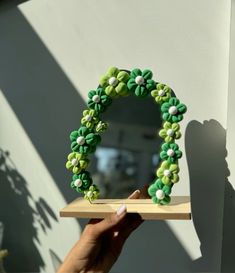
{"points": [[128, 154]]}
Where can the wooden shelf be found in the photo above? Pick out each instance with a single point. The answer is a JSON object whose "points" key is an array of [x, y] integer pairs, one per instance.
{"points": [[178, 209]]}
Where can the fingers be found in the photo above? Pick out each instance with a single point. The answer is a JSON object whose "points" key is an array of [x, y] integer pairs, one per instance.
{"points": [[95, 229], [135, 195]]}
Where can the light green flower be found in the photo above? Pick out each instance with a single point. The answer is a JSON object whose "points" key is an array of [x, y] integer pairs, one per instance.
{"points": [[77, 162], [162, 93], [114, 82], [90, 118], [160, 192], [168, 173], [170, 131], [92, 193]]}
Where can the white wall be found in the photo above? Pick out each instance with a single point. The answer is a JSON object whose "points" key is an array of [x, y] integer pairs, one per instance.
{"points": [[62, 49]]}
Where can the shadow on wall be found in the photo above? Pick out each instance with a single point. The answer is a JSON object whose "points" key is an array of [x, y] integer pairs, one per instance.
{"points": [[44, 100], [228, 261], [206, 155], [19, 213]]}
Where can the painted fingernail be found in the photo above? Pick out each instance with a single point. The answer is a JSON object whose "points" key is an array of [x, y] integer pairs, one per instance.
{"points": [[135, 193], [121, 210]]}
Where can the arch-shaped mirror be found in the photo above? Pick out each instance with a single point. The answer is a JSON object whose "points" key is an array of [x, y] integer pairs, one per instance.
{"points": [[138, 108]]}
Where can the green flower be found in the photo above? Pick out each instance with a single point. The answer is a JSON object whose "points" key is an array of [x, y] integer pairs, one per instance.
{"points": [[170, 131], [101, 127], [82, 181], [170, 152], [92, 193], [141, 83], [114, 82], [173, 110], [162, 93], [90, 118], [160, 192], [84, 140], [168, 173], [77, 162], [98, 100]]}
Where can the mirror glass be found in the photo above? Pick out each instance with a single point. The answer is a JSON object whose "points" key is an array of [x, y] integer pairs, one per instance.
{"points": [[127, 157]]}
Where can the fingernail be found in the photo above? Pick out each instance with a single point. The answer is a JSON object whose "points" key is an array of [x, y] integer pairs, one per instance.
{"points": [[137, 192], [121, 210]]}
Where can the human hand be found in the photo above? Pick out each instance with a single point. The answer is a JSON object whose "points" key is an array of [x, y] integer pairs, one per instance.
{"points": [[101, 242]]}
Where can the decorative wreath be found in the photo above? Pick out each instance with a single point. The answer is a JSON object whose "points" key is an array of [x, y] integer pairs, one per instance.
{"points": [[114, 84]]}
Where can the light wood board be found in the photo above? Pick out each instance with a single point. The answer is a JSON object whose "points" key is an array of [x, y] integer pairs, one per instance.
{"points": [[178, 209]]}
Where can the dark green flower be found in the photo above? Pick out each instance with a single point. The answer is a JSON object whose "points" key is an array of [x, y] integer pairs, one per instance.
{"points": [[173, 110], [81, 181], [84, 140], [141, 83], [162, 93], [160, 192], [114, 82], [98, 100], [92, 193], [170, 152], [90, 118]]}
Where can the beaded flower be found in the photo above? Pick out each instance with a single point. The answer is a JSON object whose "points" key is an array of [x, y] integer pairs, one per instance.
{"points": [[170, 152], [81, 181], [160, 192], [77, 162], [90, 118], [114, 82], [162, 93], [98, 100], [92, 193], [168, 173], [141, 83], [173, 110], [170, 131], [84, 140]]}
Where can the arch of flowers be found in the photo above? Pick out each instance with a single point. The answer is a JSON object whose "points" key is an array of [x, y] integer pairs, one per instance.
{"points": [[120, 83]]}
